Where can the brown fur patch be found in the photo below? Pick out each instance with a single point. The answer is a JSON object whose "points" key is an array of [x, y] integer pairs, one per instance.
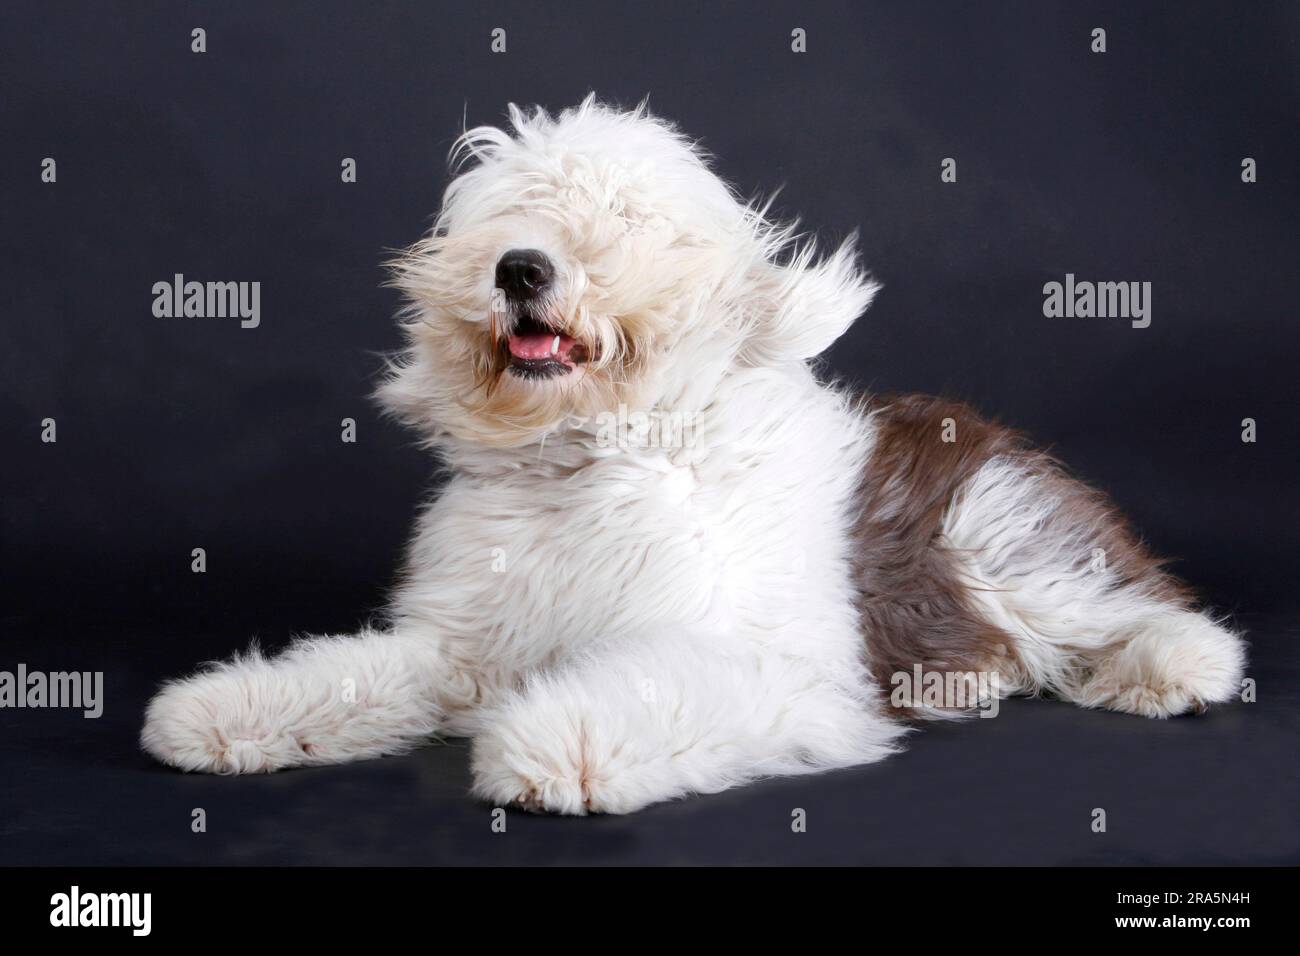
{"points": [[913, 604]]}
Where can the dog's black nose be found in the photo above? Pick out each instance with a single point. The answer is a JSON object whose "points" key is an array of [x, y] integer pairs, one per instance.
{"points": [[524, 274]]}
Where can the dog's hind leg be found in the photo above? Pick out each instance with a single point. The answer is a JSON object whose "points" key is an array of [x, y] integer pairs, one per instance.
{"points": [[324, 700], [977, 553], [1092, 616]]}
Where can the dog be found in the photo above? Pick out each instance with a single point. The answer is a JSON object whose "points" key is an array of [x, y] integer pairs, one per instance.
{"points": [[669, 559]]}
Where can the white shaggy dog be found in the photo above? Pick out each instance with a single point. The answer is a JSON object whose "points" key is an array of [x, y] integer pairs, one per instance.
{"points": [[668, 558]]}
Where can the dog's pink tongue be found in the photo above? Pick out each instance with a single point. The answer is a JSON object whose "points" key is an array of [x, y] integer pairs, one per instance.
{"points": [[541, 345]]}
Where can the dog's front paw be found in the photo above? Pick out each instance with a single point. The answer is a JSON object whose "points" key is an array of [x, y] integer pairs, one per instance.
{"points": [[214, 723], [522, 770], [553, 763]]}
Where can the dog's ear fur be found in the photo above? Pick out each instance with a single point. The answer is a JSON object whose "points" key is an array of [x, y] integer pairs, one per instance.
{"points": [[795, 309]]}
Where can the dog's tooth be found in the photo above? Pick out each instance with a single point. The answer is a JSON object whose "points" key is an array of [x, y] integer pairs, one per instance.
{"points": [[555, 346]]}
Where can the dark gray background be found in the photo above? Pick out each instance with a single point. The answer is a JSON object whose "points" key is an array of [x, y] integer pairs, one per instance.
{"points": [[183, 433]]}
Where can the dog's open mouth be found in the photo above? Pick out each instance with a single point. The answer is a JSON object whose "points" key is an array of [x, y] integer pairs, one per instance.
{"points": [[539, 351]]}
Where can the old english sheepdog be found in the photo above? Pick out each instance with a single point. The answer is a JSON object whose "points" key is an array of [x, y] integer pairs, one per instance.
{"points": [[669, 559]]}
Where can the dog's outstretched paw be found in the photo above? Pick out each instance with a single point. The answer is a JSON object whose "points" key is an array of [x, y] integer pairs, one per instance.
{"points": [[1181, 664], [1167, 700], [203, 724]]}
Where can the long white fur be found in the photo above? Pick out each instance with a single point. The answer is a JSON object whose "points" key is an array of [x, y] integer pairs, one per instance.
{"points": [[619, 625]]}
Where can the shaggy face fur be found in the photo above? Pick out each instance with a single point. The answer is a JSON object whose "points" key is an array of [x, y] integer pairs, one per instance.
{"points": [[623, 615], [658, 268]]}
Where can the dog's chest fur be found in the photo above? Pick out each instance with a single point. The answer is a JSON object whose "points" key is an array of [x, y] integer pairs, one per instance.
{"points": [[742, 533]]}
